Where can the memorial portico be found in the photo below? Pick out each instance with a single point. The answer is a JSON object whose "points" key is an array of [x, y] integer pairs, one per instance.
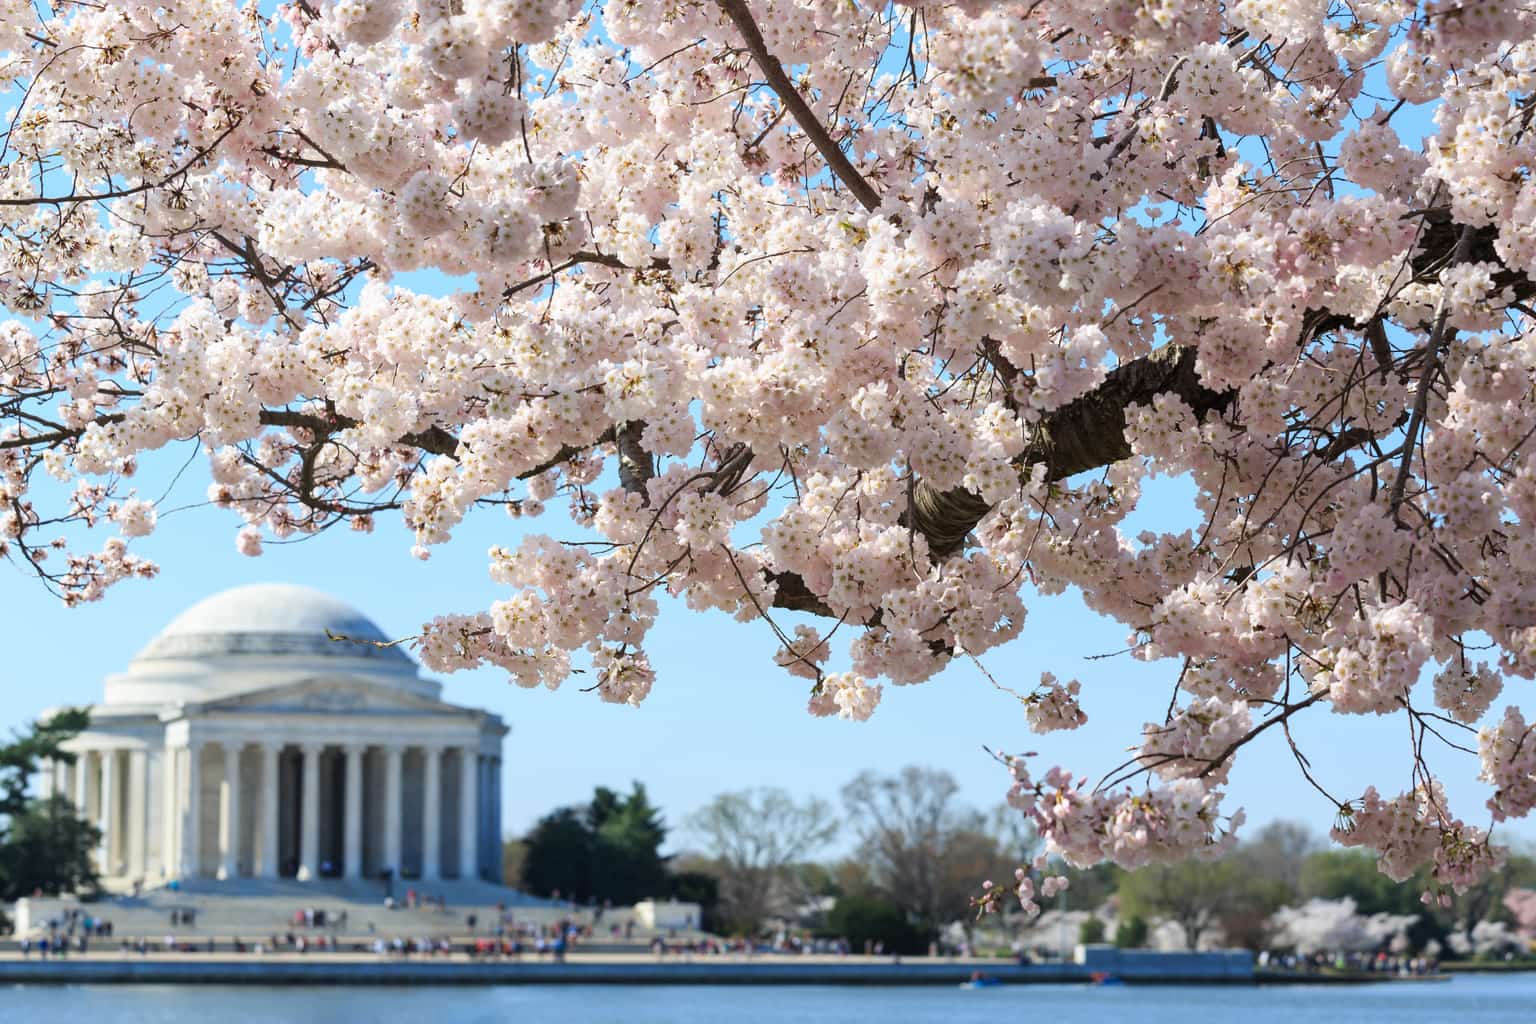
{"points": [[245, 742]]}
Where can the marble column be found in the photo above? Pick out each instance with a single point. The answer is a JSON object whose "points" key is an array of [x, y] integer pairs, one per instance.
{"points": [[496, 816], [431, 813], [309, 809], [269, 867], [352, 855], [229, 813], [82, 778], [107, 821], [170, 775], [191, 813], [469, 853], [137, 831], [392, 800], [483, 815]]}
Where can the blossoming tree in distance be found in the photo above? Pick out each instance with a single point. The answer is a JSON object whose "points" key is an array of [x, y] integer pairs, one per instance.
{"points": [[850, 319]]}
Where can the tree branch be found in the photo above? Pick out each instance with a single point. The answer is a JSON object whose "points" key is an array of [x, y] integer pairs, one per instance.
{"points": [[779, 82], [1089, 432]]}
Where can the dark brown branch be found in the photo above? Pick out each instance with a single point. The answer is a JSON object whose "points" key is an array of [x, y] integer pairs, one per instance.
{"points": [[636, 467], [1431, 352], [1085, 434], [120, 193], [1089, 433], [805, 118], [434, 439]]}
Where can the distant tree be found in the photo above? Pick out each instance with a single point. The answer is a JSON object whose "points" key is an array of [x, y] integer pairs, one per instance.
{"points": [[608, 851], [1090, 887], [922, 848], [1337, 874], [627, 833], [1277, 852], [1485, 900], [851, 876], [1131, 932], [1352, 874], [513, 854], [699, 887], [1327, 926], [756, 837], [47, 849], [1017, 836], [1231, 894], [1489, 940], [870, 918], [20, 758], [1192, 894], [558, 856], [813, 879], [43, 844], [1090, 931], [1521, 904]]}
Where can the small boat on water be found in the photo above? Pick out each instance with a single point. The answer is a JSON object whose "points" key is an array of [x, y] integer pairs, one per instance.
{"points": [[980, 980], [1104, 978]]}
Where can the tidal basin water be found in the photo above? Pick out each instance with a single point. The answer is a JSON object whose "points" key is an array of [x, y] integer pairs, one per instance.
{"points": [[1481, 999]]}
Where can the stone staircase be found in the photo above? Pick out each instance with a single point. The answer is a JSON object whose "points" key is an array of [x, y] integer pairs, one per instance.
{"points": [[255, 909]]}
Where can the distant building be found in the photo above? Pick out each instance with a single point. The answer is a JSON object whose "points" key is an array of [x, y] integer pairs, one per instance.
{"points": [[244, 742]]}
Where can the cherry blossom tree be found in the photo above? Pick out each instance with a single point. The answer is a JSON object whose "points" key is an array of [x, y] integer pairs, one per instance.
{"points": [[1488, 939], [1334, 926], [858, 321], [1521, 904]]}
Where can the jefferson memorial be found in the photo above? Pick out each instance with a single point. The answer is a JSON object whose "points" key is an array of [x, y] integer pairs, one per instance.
{"points": [[244, 742]]}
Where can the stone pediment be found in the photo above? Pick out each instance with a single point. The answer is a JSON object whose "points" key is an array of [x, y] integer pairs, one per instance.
{"points": [[333, 695]]}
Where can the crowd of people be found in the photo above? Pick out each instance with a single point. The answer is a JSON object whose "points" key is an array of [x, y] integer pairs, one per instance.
{"points": [[505, 936], [70, 932], [1374, 963]]}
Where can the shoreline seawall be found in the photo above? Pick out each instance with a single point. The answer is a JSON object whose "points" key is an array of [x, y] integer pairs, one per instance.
{"points": [[109, 967], [355, 969]]}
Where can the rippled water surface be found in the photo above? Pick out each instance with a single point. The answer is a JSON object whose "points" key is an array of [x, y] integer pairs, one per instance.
{"points": [[1471, 999]]}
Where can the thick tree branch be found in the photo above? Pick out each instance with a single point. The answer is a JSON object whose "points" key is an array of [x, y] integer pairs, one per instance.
{"points": [[1089, 433], [636, 467], [807, 120], [434, 440], [1082, 435]]}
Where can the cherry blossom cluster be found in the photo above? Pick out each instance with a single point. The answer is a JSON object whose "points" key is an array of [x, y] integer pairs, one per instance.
{"points": [[1032, 886], [1197, 741], [1508, 754], [1415, 830], [873, 316], [1053, 706], [1155, 825], [846, 695]]}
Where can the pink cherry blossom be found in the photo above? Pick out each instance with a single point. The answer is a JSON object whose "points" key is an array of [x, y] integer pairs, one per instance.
{"points": [[896, 357]]}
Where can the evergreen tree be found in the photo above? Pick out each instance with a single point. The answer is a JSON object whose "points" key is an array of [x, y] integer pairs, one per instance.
{"points": [[609, 851], [627, 833], [44, 846], [558, 856], [47, 848]]}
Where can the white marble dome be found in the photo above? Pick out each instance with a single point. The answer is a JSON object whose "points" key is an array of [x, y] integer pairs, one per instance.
{"points": [[266, 618], [258, 636]]}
